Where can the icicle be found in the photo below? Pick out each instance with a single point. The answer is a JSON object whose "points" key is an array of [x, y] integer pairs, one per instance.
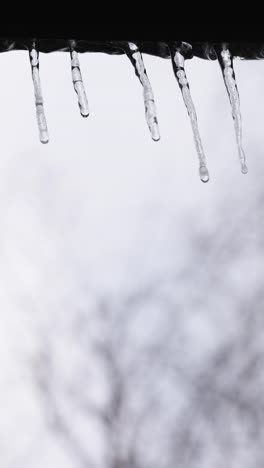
{"points": [[226, 62], [41, 119], [179, 71], [150, 107], [78, 82]]}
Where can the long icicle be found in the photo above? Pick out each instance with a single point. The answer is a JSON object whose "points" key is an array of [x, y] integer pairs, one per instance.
{"points": [[179, 71], [78, 82], [150, 108], [226, 62], [41, 119]]}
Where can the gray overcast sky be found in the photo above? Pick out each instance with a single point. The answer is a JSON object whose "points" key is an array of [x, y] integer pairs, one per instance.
{"points": [[101, 197]]}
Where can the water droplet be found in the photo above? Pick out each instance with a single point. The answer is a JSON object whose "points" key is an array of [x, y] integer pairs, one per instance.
{"points": [[244, 168], [204, 174]]}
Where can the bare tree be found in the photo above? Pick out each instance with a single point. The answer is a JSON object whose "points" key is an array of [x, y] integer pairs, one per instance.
{"points": [[169, 371]]}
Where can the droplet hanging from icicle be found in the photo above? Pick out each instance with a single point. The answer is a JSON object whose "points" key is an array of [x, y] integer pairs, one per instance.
{"points": [[78, 82], [179, 71], [136, 59], [226, 62], [41, 119]]}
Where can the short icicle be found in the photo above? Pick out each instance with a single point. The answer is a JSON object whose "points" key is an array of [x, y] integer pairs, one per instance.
{"points": [[136, 59], [226, 62], [179, 71], [41, 119], [78, 82]]}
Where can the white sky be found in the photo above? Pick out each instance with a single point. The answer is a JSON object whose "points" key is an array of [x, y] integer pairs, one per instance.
{"points": [[101, 199]]}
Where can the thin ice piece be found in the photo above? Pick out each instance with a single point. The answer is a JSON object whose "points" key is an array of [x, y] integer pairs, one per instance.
{"points": [[41, 119], [179, 71], [150, 107], [78, 82], [226, 63]]}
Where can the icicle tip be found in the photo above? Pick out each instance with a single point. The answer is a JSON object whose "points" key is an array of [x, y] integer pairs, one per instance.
{"points": [[204, 174], [244, 168], [44, 139], [155, 134], [85, 114]]}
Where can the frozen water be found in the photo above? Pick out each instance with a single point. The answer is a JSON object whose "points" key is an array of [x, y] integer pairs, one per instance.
{"points": [[78, 82], [226, 63], [204, 174], [178, 67], [150, 107], [41, 119]]}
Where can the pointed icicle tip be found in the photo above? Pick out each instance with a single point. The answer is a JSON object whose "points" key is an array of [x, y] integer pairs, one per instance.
{"points": [[136, 59], [155, 135]]}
